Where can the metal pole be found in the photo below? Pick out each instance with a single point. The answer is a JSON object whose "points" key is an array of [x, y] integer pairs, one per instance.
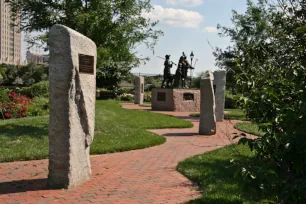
{"points": [[190, 75], [190, 78]]}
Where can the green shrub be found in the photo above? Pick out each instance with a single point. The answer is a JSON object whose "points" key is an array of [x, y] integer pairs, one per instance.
{"points": [[39, 106], [149, 87], [147, 96], [4, 95], [196, 81], [232, 101], [23, 74], [126, 90], [152, 82], [40, 89]]}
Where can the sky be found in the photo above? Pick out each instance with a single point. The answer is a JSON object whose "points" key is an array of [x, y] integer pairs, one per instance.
{"points": [[187, 26]]}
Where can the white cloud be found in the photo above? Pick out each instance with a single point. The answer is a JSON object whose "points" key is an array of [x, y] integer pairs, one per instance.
{"points": [[175, 17], [210, 29], [188, 3]]}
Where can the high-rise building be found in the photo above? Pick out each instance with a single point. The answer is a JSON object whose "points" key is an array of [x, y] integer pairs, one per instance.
{"points": [[10, 44]]}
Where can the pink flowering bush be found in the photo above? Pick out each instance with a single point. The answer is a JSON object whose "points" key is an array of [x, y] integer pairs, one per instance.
{"points": [[16, 107]]}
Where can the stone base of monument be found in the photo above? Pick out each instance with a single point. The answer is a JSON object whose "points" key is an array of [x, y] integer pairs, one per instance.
{"points": [[178, 100]]}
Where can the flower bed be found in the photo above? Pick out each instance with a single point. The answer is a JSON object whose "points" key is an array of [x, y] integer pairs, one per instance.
{"points": [[16, 107], [126, 97], [147, 97]]}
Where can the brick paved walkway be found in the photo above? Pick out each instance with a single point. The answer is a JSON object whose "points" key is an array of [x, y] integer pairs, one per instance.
{"points": [[140, 176]]}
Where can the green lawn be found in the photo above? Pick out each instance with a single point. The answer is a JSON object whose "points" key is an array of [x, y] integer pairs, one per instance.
{"points": [[215, 176], [249, 128], [117, 129], [233, 114]]}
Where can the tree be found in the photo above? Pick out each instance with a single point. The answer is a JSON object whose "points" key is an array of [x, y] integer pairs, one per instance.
{"points": [[226, 59], [116, 26], [267, 57], [153, 82]]}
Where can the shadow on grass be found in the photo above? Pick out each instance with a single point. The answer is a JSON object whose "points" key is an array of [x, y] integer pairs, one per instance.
{"points": [[14, 131], [23, 186]]}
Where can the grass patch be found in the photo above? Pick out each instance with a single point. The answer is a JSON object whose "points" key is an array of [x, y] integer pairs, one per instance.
{"points": [[146, 105], [233, 114], [214, 174], [116, 130], [132, 102], [249, 128]]}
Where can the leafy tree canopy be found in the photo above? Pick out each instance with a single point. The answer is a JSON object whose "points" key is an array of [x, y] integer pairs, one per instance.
{"points": [[116, 26]]}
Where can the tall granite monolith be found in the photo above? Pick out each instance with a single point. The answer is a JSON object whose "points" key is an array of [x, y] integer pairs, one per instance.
{"points": [[72, 78], [220, 83], [207, 107], [139, 90]]}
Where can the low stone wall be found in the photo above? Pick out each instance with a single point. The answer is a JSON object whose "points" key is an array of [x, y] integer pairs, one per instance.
{"points": [[178, 100]]}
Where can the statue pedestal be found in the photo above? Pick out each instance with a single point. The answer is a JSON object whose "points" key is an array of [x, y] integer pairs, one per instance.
{"points": [[177, 100]]}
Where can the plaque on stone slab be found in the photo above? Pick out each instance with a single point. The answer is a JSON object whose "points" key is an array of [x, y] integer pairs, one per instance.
{"points": [[72, 80], [188, 97], [86, 64], [161, 96]]}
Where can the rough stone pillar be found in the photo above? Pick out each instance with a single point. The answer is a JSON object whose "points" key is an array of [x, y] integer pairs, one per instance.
{"points": [[139, 90], [207, 112], [220, 83], [72, 78]]}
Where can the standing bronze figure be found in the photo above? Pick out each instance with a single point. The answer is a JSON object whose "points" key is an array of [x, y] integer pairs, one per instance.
{"points": [[178, 74], [184, 71], [186, 66], [167, 73], [180, 77]]}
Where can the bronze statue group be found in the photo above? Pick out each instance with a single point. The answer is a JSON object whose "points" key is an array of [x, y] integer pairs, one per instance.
{"points": [[179, 80]]}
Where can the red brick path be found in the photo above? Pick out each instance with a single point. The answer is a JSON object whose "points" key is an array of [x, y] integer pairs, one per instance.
{"points": [[140, 176]]}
